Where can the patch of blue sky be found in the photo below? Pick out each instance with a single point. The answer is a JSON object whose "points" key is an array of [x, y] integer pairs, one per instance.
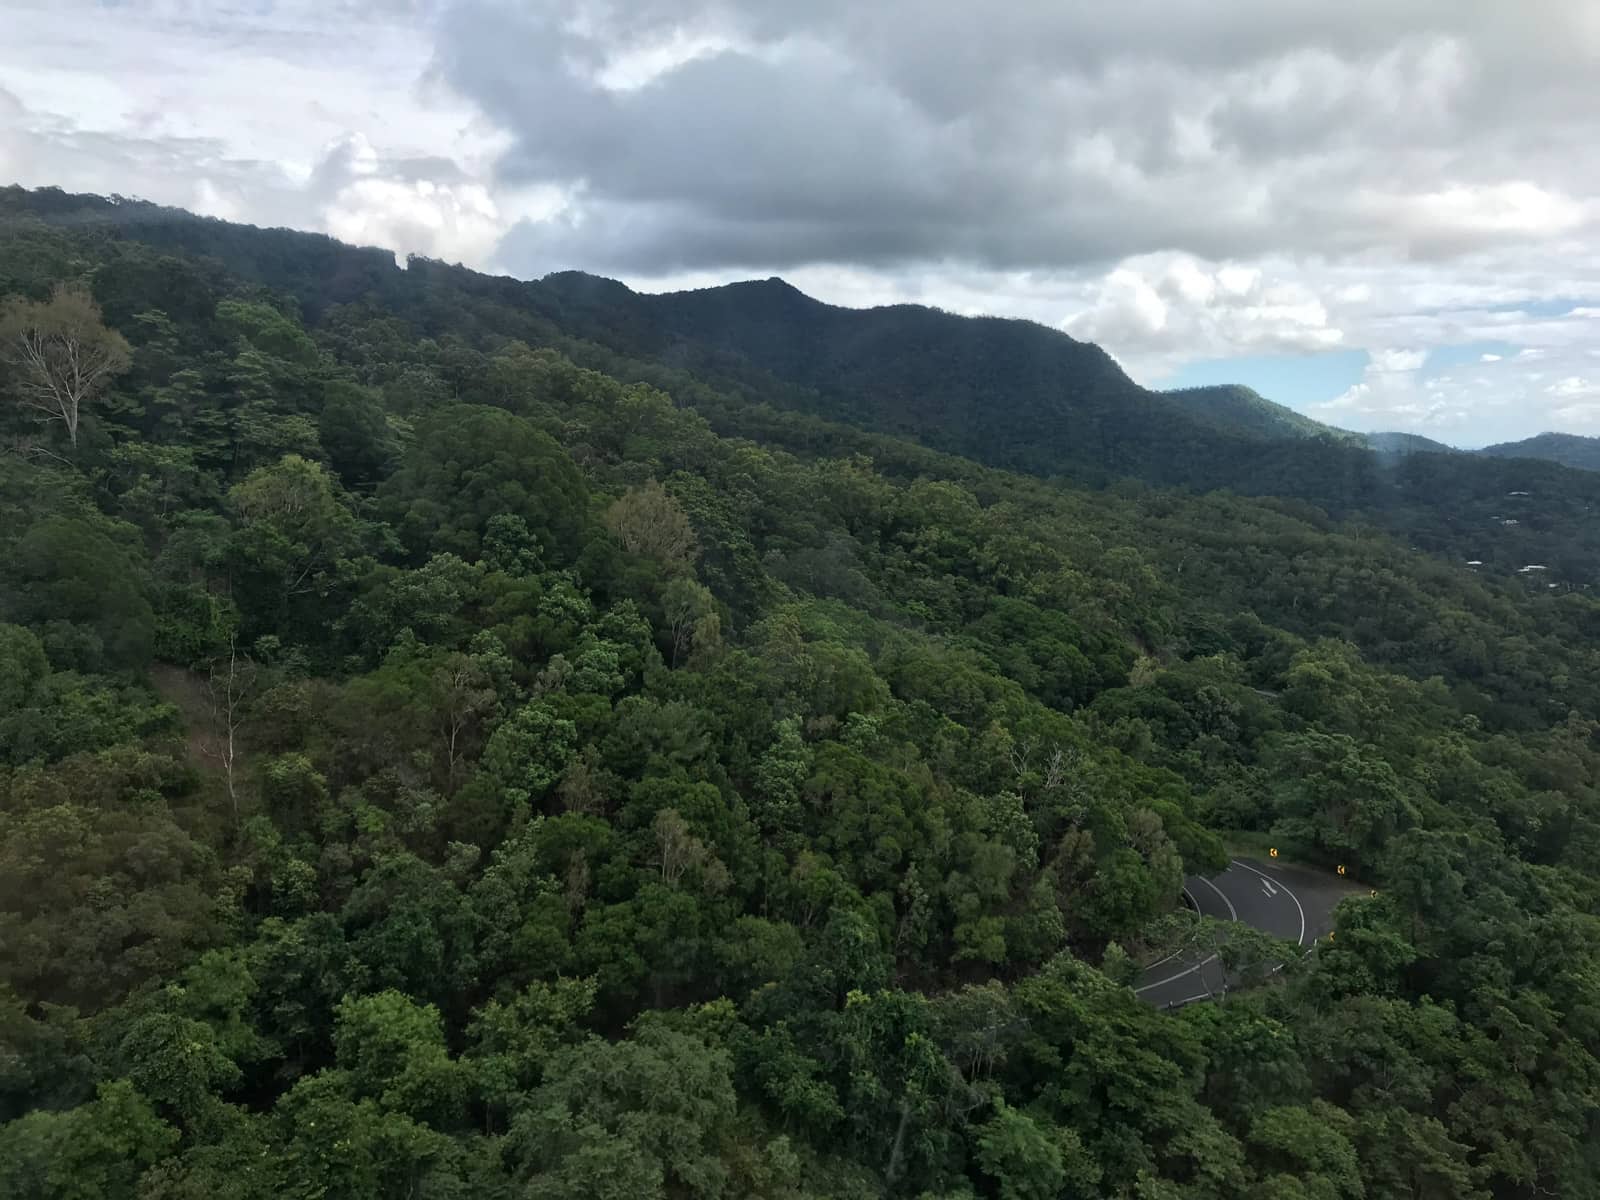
{"points": [[1443, 358], [1558, 306]]}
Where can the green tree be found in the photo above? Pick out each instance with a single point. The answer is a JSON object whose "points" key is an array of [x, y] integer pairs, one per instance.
{"points": [[1031, 1160], [394, 1052], [647, 1117], [356, 434], [95, 1152], [293, 534], [527, 754], [468, 465]]}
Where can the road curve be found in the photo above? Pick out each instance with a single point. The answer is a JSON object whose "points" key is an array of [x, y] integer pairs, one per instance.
{"points": [[1293, 903]]}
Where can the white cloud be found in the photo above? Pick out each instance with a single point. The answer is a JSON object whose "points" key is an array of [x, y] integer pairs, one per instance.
{"points": [[316, 116], [1179, 182], [1574, 385], [1156, 310], [1497, 398], [1384, 362]]}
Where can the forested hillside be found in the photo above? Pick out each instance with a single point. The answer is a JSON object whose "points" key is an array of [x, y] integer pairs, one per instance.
{"points": [[1568, 449], [460, 743], [1393, 445], [1244, 410]]}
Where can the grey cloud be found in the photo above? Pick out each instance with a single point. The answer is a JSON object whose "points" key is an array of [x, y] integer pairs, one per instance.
{"points": [[37, 149], [422, 204], [1048, 135]]}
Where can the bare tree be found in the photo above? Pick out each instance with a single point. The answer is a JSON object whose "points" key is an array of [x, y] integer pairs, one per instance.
{"points": [[1021, 757], [230, 686], [27, 446], [1056, 770], [462, 697], [678, 850], [59, 354]]}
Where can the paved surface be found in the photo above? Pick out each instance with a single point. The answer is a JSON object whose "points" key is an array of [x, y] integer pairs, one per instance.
{"points": [[1294, 903]]}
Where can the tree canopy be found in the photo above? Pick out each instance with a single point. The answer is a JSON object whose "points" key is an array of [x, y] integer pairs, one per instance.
{"points": [[648, 773]]}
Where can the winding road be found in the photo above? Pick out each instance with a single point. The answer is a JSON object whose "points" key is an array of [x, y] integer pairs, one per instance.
{"points": [[1290, 902]]}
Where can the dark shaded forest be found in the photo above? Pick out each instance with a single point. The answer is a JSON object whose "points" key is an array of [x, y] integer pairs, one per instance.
{"points": [[468, 738]]}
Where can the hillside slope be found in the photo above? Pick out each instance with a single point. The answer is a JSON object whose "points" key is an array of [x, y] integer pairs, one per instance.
{"points": [[1235, 407], [593, 777], [1568, 449], [1008, 392], [1005, 393], [1399, 445]]}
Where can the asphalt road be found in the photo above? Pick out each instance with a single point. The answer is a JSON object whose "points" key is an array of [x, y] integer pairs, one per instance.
{"points": [[1294, 903]]}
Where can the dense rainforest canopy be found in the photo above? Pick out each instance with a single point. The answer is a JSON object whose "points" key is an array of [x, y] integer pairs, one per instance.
{"points": [[465, 738]]}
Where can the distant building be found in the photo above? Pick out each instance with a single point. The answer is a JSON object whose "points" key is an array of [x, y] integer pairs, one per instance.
{"points": [[1519, 493], [1532, 567], [1474, 562], [1511, 521]]}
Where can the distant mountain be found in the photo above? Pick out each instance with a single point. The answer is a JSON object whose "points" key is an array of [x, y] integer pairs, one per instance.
{"points": [[1568, 449], [1235, 407], [1005, 391], [1009, 393], [761, 359], [1395, 445]]}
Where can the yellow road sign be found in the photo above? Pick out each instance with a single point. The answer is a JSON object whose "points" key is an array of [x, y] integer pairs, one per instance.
{"points": [[1341, 868], [1273, 853]]}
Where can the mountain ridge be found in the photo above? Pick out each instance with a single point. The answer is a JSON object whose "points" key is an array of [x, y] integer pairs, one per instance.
{"points": [[1001, 392], [1569, 449]]}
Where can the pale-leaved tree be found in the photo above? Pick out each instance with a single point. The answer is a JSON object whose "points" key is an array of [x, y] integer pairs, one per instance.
{"points": [[58, 354]]}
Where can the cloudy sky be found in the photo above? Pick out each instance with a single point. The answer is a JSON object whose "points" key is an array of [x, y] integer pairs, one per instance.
{"points": [[1383, 212]]}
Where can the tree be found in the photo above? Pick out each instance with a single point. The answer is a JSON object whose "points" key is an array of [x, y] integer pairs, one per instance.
{"points": [[1336, 797], [691, 618], [469, 465], [646, 1117], [356, 434], [678, 850], [394, 1052], [527, 754], [22, 666], [95, 1152], [85, 588], [73, 837], [176, 1062], [512, 1040], [648, 521], [1312, 1144], [336, 1146], [229, 687], [1031, 1159], [461, 696], [293, 531], [59, 353]]}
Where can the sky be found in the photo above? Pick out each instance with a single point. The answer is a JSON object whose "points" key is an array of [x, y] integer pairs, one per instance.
{"points": [[1384, 213]]}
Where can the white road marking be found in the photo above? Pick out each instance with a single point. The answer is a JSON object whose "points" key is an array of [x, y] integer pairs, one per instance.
{"points": [[1175, 953], [1205, 962], [1292, 896], [1270, 888], [1233, 913]]}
